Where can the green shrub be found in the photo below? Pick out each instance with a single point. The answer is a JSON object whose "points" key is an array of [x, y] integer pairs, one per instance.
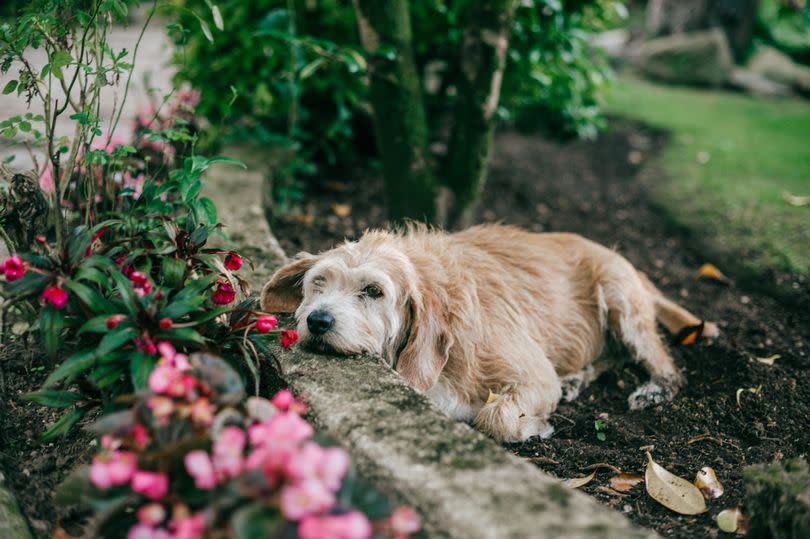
{"points": [[786, 25]]}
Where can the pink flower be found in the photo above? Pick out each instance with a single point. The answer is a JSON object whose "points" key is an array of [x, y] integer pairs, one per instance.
{"points": [[114, 320], [140, 283], [233, 261], [100, 143], [224, 294], [144, 344], [162, 378], [202, 411], [305, 498], [114, 468], [146, 117], [140, 436], [145, 531], [404, 521], [153, 485], [228, 450], [166, 350], [13, 267], [191, 527], [55, 295], [161, 407], [283, 400], [353, 525], [46, 179], [151, 513], [264, 324], [199, 466], [312, 461], [280, 428], [332, 467], [136, 184], [288, 338], [165, 323]]}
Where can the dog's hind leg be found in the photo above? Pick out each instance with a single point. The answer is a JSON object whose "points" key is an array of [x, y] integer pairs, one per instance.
{"points": [[674, 317], [631, 315]]}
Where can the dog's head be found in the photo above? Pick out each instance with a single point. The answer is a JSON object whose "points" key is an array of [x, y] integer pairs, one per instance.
{"points": [[365, 297]]}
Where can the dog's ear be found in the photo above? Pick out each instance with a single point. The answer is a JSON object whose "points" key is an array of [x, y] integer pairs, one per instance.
{"points": [[282, 293], [428, 347]]}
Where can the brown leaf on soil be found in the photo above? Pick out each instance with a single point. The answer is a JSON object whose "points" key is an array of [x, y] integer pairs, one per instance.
{"points": [[599, 465], [732, 521], [625, 482], [706, 481], [689, 335], [342, 210], [671, 491], [710, 271], [60, 533], [577, 482], [795, 200], [768, 360], [753, 390], [300, 219]]}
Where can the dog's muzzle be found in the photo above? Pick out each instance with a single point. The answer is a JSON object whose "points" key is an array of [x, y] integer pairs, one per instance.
{"points": [[319, 322]]}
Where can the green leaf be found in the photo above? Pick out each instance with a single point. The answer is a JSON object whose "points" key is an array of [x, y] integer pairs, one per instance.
{"points": [[94, 276], [181, 334], [255, 520], [10, 87], [53, 398], [63, 426], [227, 161], [140, 367], [105, 375], [172, 271], [51, 323], [75, 364], [207, 210], [115, 339], [59, 60], [97, 324], [206, 30], [217, 18], [90, 297], [124, 286]]}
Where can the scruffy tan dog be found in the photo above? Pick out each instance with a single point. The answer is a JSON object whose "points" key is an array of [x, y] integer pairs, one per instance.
{"points": [[492, 308]]}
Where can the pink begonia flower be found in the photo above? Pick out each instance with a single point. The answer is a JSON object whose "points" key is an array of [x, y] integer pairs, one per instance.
{"points": [[13, 268], [136, 184], [100, 143], [224, 294], [140, 436], [353, 525], [145, 531], [328, 465], [332, 467], [202, 411], [233, 261], [145, 117], [288, 338], [280, 428], [162, 378], [264, 324], [227, 451], [166, 350], [270, 460], [199, 466], [153, 485], [115, 468], [283, 399], [46, 182], [55, 295], [404, 521], [151, 513], [305, 498], [161, 407], [191, 527]]}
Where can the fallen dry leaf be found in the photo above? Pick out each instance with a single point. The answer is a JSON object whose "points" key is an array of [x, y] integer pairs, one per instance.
{"points": [[625, 481], [710, 271], [60, 533], [753, 390], [794, 200], [342, 210], [732, 521], [492, 397], [706, 481], [671, 491], [299, 219], [769, 360], [577, 482]]}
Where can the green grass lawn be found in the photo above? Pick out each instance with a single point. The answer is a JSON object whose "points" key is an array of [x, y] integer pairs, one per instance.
{"points": [[730, 158]]}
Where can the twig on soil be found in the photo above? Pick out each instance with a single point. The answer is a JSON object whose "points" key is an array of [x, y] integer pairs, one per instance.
{"points": [[543, 460], [603, 465], [709, 438]]}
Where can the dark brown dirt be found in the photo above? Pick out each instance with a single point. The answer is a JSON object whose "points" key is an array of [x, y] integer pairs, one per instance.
{"points": [[592, 188]]}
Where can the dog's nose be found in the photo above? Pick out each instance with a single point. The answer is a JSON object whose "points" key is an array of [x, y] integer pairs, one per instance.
{"points": [[319, 322]]}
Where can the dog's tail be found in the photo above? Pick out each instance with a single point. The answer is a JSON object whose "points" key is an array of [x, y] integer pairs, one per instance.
{"points": [[674, 317]]}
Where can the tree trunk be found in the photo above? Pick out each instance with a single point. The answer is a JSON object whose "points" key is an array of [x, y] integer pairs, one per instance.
{"points": [[482, 59], [398, 110]]}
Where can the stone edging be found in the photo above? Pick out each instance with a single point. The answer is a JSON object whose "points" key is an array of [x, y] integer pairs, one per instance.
{"points": [[12, 524], [462, 483]]}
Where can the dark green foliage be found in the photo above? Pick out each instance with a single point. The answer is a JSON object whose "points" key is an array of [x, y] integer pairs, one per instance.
{"points": [[777, 500], [786, 25]]}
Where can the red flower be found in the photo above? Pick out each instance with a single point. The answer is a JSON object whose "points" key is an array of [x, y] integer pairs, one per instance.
{"points": [[266, 323], [165, 323], [233, 261], [140, 283], [55, 295], [95, 237], [145, 344], [114, 320], [288, 337], [13, 268], [42, 240], [224, 294]]}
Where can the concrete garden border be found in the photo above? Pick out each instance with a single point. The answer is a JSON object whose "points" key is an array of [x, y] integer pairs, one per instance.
{"points": [[462, 483]]}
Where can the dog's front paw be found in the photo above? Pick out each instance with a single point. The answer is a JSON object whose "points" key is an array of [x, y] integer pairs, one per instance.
{"points": [[651, 393], [535, 426]]}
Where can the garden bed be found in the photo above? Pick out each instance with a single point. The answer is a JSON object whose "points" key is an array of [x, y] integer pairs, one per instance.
{"points": [[598, 189]]}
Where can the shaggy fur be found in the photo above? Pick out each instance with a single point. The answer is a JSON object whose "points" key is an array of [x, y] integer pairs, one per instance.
{"points": [[492, 308]]}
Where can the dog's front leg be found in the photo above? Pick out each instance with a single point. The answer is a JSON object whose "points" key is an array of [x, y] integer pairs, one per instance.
{"points": [[521, 409]]}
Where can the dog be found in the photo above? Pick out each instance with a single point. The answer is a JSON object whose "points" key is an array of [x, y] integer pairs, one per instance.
{"points": [[491, 323]]}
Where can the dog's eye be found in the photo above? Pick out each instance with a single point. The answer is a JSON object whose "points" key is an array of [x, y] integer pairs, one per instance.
{"points": [[373, 291]]}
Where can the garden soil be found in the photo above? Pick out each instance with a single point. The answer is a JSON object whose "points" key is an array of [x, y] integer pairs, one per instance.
{"points": [[601, 190]]}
